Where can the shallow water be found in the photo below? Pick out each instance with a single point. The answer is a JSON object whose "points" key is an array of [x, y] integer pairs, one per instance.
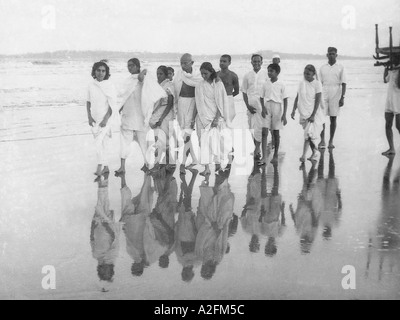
{"points": [[343, 212]]}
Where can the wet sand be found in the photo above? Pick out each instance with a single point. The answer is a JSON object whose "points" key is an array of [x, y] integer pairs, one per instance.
{"points": [[48, 200]]}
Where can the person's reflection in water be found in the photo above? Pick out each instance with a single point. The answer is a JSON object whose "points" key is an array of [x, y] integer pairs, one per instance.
{"points": [[387, 239], [186, 230], [104, 234], [308, 210], [331, 196], [159, 235], [135, 211], [272, 217], [250, 219], [216, 210]]}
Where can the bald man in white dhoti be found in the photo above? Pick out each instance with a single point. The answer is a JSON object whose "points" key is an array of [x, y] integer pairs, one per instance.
{"points": [[185, 82]]}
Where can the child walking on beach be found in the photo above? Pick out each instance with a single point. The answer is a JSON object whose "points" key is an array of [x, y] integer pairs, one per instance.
{"points": [[101, 100], [273, 95], [392, 103], [308, 101]]}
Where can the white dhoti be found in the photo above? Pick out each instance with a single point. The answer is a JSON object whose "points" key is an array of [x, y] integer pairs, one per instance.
{"points": [[185, 112], [102, 138], [331, 98], [312, 130], [216, 143], [127, 137], [231, 111]]}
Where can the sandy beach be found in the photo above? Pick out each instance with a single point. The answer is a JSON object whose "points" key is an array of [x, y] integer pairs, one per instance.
{"points": [[48, 198]]}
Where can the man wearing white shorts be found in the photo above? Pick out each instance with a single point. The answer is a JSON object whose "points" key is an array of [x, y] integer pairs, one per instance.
{"points": [[333, 79], [274, 100], [251, 89]]}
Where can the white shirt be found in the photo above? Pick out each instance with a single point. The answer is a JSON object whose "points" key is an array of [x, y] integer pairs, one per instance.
{"points": [[332, 75], [98, 101], [307, 92], [132, 117], [274, 91], [253, 82]]}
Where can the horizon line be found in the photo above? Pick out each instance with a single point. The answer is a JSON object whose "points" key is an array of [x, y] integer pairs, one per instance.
{"points": [[160, 53]]}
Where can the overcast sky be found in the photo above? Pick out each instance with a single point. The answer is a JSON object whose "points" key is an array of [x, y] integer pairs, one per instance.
{"points": [[197, 26]]}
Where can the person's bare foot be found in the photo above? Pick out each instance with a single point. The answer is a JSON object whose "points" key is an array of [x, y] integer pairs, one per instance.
{"points": [[314, 157], [99, 170], [274, 159], [120, 172], [390, 152], [155, 169], [206, 173], [194, 171], [191, 166], [182, 169], [262, 162]]}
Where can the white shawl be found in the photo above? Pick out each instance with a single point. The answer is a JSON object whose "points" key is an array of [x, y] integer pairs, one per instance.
{"points": [[152, 92], [207, 108], [191, 79], [109, 91]]}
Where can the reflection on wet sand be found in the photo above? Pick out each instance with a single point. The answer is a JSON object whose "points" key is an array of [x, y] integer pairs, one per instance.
{"points": [[159, 235], [272, 218], [385, 244], [134, 213], [309, 205], [330, 195], [264, 212], [214, 215], [104, 233], [186, 230]]}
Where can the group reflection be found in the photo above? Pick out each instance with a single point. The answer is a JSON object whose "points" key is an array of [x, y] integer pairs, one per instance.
{"points": [[384, 245], [157, 224], [162, 223]]}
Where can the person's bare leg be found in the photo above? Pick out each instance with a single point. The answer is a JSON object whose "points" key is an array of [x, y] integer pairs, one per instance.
{"points": [[263, 160], [389, 117], [322, 144], [305, 149], [207, 171], [121, 170], [98, 170], [315, 153], [277, 141], [333, 131]]}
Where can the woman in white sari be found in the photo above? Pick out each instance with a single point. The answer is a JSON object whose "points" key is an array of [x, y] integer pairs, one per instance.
{"points": [[211, 103], [101, 101], [162, 117]]}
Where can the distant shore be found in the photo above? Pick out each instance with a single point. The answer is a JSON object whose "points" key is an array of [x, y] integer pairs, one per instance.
{"points": [[149, 56]]}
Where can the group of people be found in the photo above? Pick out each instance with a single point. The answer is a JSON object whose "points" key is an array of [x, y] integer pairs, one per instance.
{"points": [[203, 101]]}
